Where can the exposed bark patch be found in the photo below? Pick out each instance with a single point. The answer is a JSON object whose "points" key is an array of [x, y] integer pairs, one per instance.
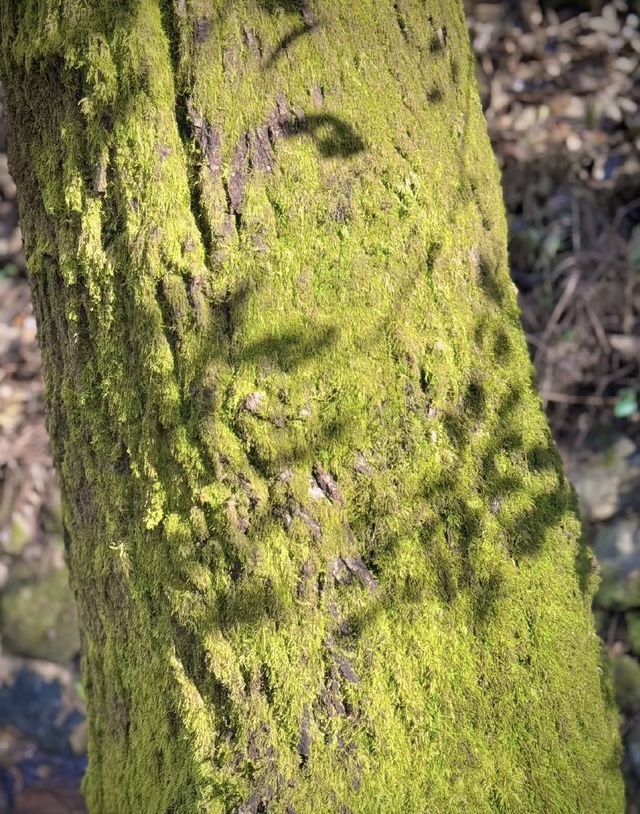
{"points": [[163, 152], [259, 746], [250, 493], [239, 521], [256, 803], [202, 29], [195, 294], [362, 466], [310, 521], [280, 119], [343, 626], [307, 574], [286, 517], [309, 17], [345, 569], [439, 40], [100, 176], [330, 702], [315, 491], [230, 60], [253, 41], [261, 150], [238, 178], [208, 140], [292, 509], [253, 403], [304, 743], [327, 484], [255, 151], [345, 667], [317, 95], [342, 662], [402, 24], [260, 799]]}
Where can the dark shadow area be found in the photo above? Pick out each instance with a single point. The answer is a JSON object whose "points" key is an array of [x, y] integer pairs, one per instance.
{"points": [[333, 137], [310, 24], [449, 544], [285, 43], [291, 348], [435, 95], [289, 6]]}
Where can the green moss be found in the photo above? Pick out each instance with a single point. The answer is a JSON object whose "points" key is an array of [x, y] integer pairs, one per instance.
{"points": [[324, 552]]}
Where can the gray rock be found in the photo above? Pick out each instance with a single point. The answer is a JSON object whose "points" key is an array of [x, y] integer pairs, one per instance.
{"points": [[39, 619], [617, 548], [626, 679], [618, 540], [606, 481]]}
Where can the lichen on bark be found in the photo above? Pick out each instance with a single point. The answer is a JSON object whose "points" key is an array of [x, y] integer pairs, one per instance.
{"points": [[324, 553]]}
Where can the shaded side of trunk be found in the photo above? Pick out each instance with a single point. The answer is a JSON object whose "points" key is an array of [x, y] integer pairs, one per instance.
{"points": [[324, 553]]}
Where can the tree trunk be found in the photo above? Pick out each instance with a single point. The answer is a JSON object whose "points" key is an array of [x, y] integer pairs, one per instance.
{"points": [[324, 554]]}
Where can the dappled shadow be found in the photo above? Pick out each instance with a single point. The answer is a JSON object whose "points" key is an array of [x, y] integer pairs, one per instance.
{"points": [[333, 137], [450, 540], [289, 349], [286, 42], [291, 6], [308, 23], [478, 430]]}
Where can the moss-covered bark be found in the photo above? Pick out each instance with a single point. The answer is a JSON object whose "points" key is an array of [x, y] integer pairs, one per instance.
{"points": [[324, 553]]}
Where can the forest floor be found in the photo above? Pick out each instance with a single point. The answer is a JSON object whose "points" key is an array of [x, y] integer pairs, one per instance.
{"points": [[561, 91]]}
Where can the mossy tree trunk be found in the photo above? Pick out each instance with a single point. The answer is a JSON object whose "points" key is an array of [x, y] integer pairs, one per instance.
{"points": [[324, 553]]}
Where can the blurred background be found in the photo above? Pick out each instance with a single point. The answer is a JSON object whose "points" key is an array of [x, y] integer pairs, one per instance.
{"points": [[560, 84]]}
